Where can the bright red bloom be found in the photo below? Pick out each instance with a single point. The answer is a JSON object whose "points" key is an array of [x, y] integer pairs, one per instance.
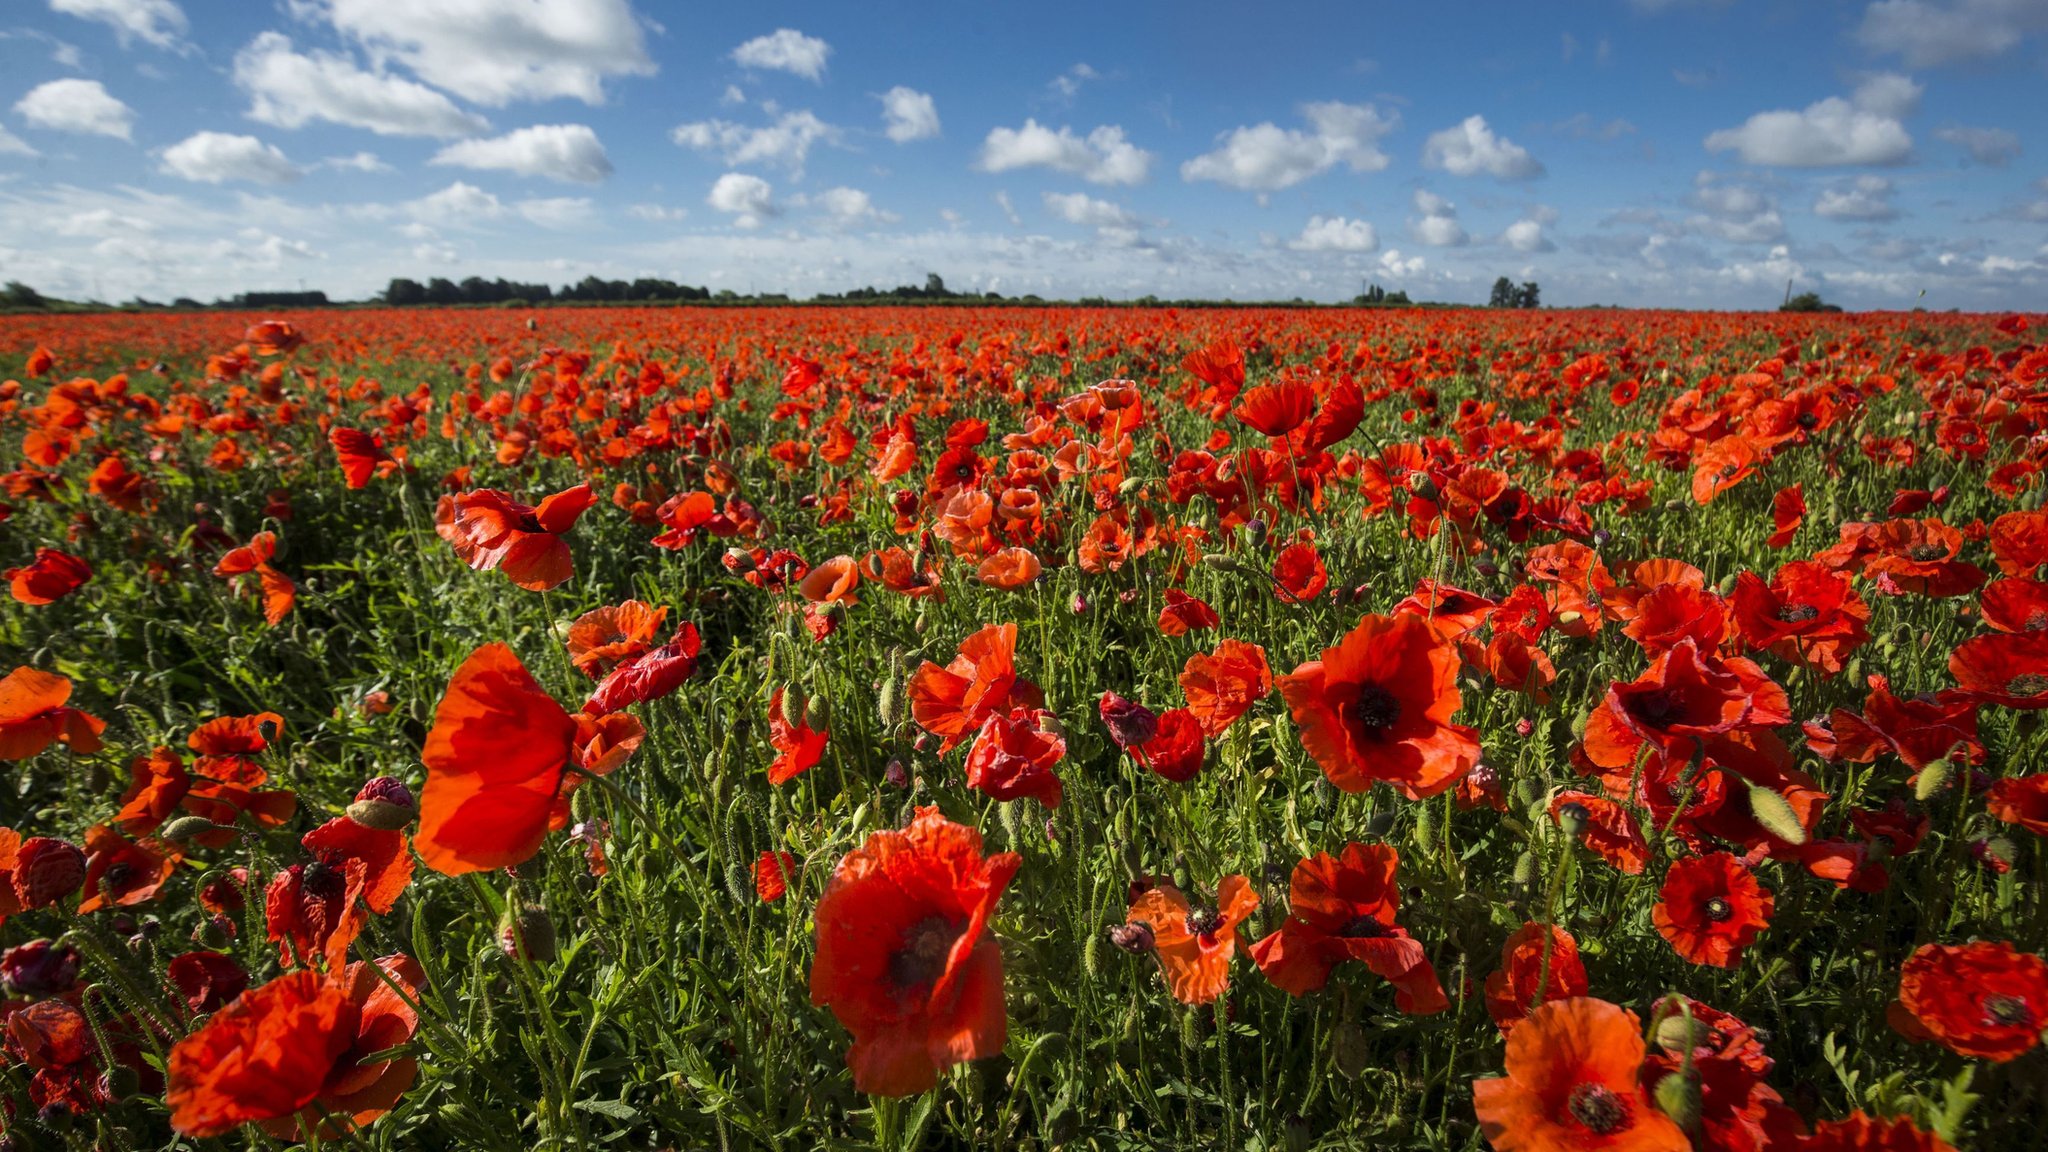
{"points": [[2015, 604], [122, 872], [1711, 908], [1985, 1000], [2005, 668], [1788, 512], [1919, 729], [1344, 909], [496, 758], [1194, 945], [1278, 408], [318, 908], [1738, 1111], [1683, 699], [903, 956], [1529, 971], [772, 872], [1177, 748], [1299, 573], [1013, 756], [1808, 614], [2019, 542], [279, 592], [33, 716], [1861, 1133], [50, 577], [489, 529], [1222, 685], [953, 702], [1378, 707], [1184, 613], [1669, 613], [603, 638], [1574, 1083], [2021, 800], [648, 676], [362, 455], [798, 747], [1611, 830]]}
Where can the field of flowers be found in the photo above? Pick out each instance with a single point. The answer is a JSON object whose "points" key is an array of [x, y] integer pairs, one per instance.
{"points": [[1004, 728]]}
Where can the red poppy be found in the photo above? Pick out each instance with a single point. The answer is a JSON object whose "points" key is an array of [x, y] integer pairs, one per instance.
{"points": [[1737, 1110], [1278, 408], [832, 582], [1669, 613], [208, 981], [1861, 1133], [33, 716], [1918, 729], [2021, 800], [603, 638], [953, 702], [1194, 945], [50, 577], [1788, 512], [2015, 604], [650, 675], [1299, 574], [772, 872], [1573, 1083], [897, 570], [2004, 668], [496, 758], [798, 747], [122, 872], [1008, 569], [1683, 699], [1529, 971], [1184, 613], [1378, 707], [1013, 756], [1985, 1000], [1344, 909], [362, 455], [489, 529], [273, 337], [1177, 748], [1610, 829], [1808, 614], [318, 908], [1222, 685], [903, 956], [1710, 909], [279, 592]]}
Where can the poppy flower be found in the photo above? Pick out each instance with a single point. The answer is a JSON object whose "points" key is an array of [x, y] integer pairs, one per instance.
{"points": [[1860, 1133], [953, 702], [1610, 829], [1194, 944], [1378, 707], [603, 638], [318, 908], [1808, 614], [897, 570], [279, 592], [832, 582], [1299, 574], [362, 455], [1919, 556], [1710, 909], [1918, 729], [1573, 1083], [2021, 800], [1278, 408], [1013, 757], [1222, 685], [1737, 1110], [208, 981], [123, 872], [1177, 748], [1008, 569], [2019, 542], [1985, 1000], [1129, 722], [1684, 698], [772, 872], [1183, 613], [904, 959], [1788, 512], [1344, 909], [273, 337], [1531, 971], [50, 577], [33, 716], [650, 675], [2015, 604], [798, 747], [290, 1053], [489, 529], [1669, 613], [496, 758], [2005, 668]]}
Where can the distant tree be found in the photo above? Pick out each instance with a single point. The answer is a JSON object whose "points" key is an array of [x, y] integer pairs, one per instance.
{"points": [[1808, 302], [19, 295], [403, 292], [1528, 295], [1503, 294], [934, 285]]}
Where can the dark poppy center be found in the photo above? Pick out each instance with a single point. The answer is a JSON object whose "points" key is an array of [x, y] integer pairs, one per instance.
{"points": [[1809, 421], [1926, 552], [1374, 710], [1204, 922], [118, 874], [1598, 1108], [2027, 684], [1797, 613], [1365, 928], [2010, 1011], [1656, 707], [920, 959], [1719, 911]]}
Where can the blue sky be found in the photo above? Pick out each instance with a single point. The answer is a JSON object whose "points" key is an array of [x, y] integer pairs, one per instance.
{"points": [[1688, 153]]}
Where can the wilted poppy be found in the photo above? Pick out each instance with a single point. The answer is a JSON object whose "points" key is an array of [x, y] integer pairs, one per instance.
{"points": [[1573, 1083], [1710, 909], [650, 675], [1344, 908], [1378, 707], [1194, 944]]}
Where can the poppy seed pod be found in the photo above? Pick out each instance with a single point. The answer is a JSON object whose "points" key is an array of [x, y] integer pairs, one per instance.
{"points": [[817, 713], [1379, 824], [1572, 818], [1677, 1034], [1678, 1096], [1525, 870], [1775, 814], [793, 702], [889, 704]]}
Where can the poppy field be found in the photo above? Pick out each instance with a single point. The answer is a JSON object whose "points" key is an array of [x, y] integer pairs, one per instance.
{"points": [[926, 728]]}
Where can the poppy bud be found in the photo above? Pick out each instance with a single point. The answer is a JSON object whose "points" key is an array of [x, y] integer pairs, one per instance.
{"points": [[120, 1082], [1135, 937], [1572, 818], [1062, 1124], [1351, 1049], [1191, 1030], [889, 704], [817, 713], [895, 774], [792, 703], [1932, 779], [1423, 487], [1256, 530], [527, 931], [216, 933], [186, 827], [1525, 870], [1678, 1035], [736, 882], [1775, 814], [1078, 605], [39, 968], [1218, 561], [1129, 722], [1487, 568], [1601, 537], [1425, 824], [46, 871], [1678, 1096], [1995, 853]]}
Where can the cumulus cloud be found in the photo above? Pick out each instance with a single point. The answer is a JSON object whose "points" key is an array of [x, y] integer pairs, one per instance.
{"points": [[1067, 85], [850, 207], [1927, 35], [290, 89], [747, 199], [1865, 198], [1470, 148], [1863, 129], [1085, 210], [357, 162], [217, 157], [785, 50], [558, 212], [1335, 234], [909, 115], [498, 51], [159, 23], [1527, 236], [1394, 265], [785, 143], [1734, 211], [1104, 156], [82, 106], [1992, 147], [1437, 226], [1265, 158], [457, 204], [568, 152]]}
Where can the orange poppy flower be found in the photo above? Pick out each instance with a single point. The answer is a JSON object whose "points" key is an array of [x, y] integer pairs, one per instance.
{"points": [[1669, 613], [1573, 1085], [1278, 408], [1009, 568], [33, 716], [362, 455], [2021, 800], [50, 577], [1344, 909], [1710, 909], [489, 529], [1183, 613], [1985, 1000], [1194, 945], [1013, 756], [1611, 830], [279, 592], [123, 872], [953, 702], [496, 758], [1222, 685], [1378, 707], [1526, 974], [2005, 668], [1861, 1133], [798, 747], [273, 337], [832, 582], [603, 638], [904, 959], [897, 570], [2019, 542]]}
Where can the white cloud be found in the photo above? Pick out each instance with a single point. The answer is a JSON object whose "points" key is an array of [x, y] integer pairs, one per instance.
{"points": [[657, 213], [290, 89], [1009, 210], [1083, 209], [785, 143], [217, 157], [1104, 157], [1266, 158], [1865, 198], [12, 145], [1734, 212], [1834, 132], [568, 152], [558, 212], [1527, 236], [1392, 264], [358, 162], [732, 96], [458, 204], [1925, 35], [1471, 149], [1067, 85], [849, 207], [1992, 147], [1438, 225], [498, 51], [82, 106], [159, 23], [1335, 234], [785, 50], [909, 114], [748, 199]]}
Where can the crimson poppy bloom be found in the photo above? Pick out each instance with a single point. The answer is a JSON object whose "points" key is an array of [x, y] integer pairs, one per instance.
{"points": [[1711, 908], [1183, 613], [1536, 964], [798, 747], [832, 582], [1737, 1110], [1808, 614], [1669, 613], [1378, 707], [1194, 944], [953, 702], [1278, 408], [650, 675], [122, 872], [1299, 574], [1985, 1000], [1788, 512], [361, 454], [2021, 800], [603, 638], [2015, 604], [279, 592], [318, 908], [1682, 699], [495, 758], [1860, 1133], [2004, 668], [1222, 685], [489, 529], [1573, 1083], [1177, 749], [772, 872], [1610, 829], [50, 577], [1013, 756], [904, 959], [34, 715], [1344, 909]]}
